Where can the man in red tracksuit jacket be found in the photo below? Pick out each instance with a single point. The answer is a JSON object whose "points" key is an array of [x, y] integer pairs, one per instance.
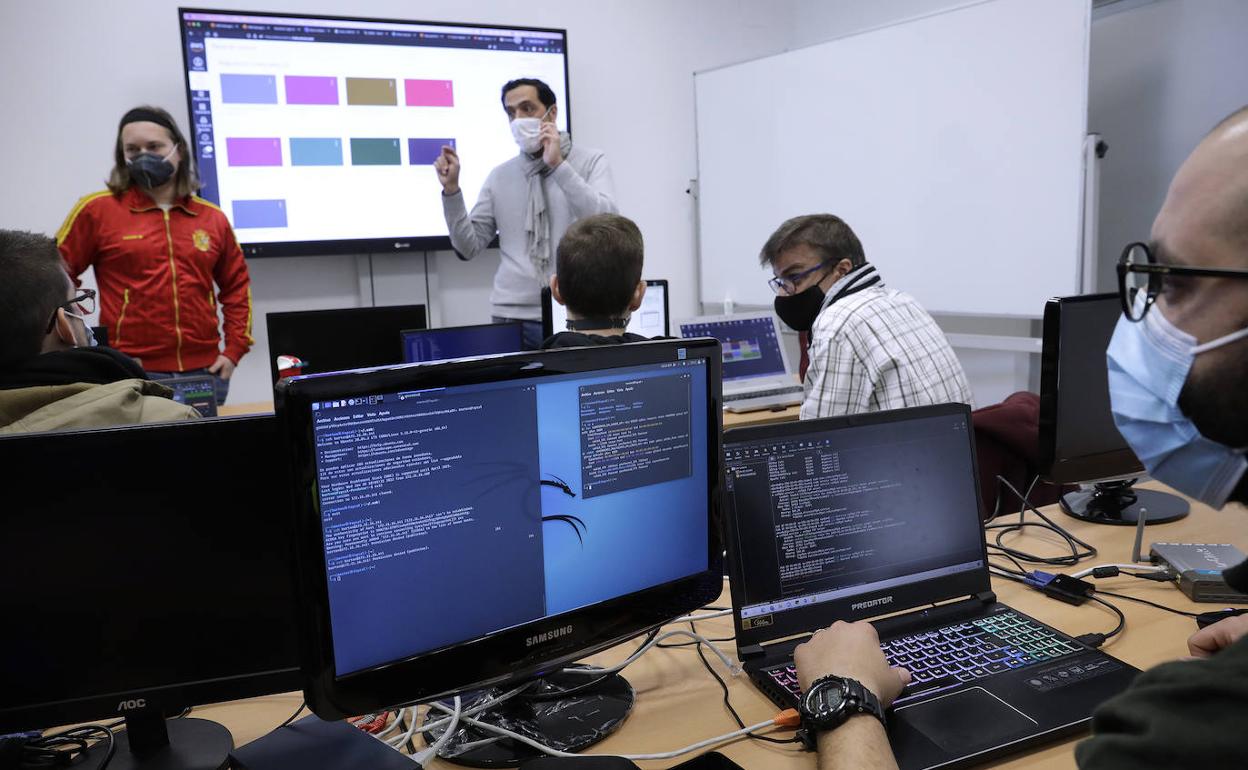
{"points": [[158, 250]]}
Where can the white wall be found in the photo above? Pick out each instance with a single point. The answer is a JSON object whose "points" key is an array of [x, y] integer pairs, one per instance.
{"points": [[72, 68], [1162, 75]]}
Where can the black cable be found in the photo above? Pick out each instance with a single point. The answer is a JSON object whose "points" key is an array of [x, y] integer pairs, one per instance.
{"points": [[1146, 601], [63, 748], [557, 694], [302, 705], [1048, 524], [1122, 619], [675, 645], [728, 703]]}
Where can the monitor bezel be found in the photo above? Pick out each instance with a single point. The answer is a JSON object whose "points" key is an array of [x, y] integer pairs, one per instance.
{"points": [[391, 245], [508, 654], [548, 308], [811, 618], [187, 691], [403, 335], [1121, 463]]}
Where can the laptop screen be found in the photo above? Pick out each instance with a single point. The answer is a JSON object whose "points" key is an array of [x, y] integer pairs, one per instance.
{"points": [[197, 392], [840, 513], [751, 346]]}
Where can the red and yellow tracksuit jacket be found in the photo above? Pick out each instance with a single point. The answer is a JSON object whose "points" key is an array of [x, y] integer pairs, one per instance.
{"points": [[155, 270]]}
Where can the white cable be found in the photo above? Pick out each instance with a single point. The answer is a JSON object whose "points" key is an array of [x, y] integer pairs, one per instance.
{"points": [[398, 720], [1133, 567], [735, 734], [399, 741], [702, 616], [593, 671], [421, 757], [477, 708]]}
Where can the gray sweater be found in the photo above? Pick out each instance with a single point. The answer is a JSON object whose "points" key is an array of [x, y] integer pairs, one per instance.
{"points": [[577, 188]]}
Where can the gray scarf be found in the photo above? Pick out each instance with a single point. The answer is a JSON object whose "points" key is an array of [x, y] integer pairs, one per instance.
{"points": [[536, 218]]}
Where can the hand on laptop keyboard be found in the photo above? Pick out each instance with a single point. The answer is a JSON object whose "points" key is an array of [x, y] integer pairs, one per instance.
{"points": [[850, 650]]}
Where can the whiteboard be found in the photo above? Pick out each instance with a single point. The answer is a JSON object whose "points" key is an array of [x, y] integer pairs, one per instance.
{"points": [[952, 144]]}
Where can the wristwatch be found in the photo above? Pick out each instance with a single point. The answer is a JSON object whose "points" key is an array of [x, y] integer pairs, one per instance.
{"points": [[830, 701]]}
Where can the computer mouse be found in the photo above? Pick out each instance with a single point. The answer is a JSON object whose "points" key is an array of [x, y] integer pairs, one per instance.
{"points": [[1209, 618]]}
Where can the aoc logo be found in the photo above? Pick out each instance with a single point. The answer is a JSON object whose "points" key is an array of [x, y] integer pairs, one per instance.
{"points": [[548, 636], [131, 705], [873, 603]]}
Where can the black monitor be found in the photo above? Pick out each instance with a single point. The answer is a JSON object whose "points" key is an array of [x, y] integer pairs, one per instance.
{"points": [[145, 570], [1078, 440], [649, 320], [473, 523], [335, 340], [423, 345]]}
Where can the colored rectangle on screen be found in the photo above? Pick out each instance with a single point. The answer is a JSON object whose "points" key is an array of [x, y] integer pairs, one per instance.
{"points": [[423, 152], [315, 152], [429, 93], [309, 89], [248, 89], [375, 152], [253, 151], [259, 213], [376, 91]]}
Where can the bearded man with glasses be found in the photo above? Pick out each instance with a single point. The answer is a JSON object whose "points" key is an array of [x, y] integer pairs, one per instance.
{"points": [[52, 375]]}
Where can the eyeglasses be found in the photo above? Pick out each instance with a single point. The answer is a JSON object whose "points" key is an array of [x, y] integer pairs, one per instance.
{"points": [[787, 284], [1139, 271], [83, 304]]}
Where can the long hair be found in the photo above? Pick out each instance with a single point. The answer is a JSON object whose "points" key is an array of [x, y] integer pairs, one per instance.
{"points": [[185, 179]]}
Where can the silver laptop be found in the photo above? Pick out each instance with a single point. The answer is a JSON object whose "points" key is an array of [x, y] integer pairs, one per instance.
{"points": [[756, 368]]}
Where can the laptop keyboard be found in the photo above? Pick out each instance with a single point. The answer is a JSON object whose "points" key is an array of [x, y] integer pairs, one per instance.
{"points": [[963, 652], [794, 389]]}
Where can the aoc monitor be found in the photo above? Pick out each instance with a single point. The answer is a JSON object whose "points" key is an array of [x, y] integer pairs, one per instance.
{"points": [[317, 134], [334, 340], [146, 569], [1079, 442], [476, 523]]}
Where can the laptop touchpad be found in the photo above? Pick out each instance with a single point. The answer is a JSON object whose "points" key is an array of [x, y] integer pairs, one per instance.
{"points": [[967, 721]]}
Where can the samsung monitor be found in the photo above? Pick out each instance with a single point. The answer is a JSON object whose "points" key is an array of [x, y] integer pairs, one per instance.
{"points": [[650, 320], [1079, 442], [468, 524], [146, 569], [317, 134], [334, 340], [423, 345]]}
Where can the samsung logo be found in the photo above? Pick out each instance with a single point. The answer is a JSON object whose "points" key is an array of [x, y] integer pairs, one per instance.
{"points": [[548, 636], [872, 603]]}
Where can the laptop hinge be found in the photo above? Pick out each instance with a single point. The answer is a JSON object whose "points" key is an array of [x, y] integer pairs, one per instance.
{"points": [[987, 597], [750, 651]]}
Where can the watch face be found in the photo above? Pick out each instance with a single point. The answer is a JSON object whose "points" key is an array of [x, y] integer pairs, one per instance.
{"points": [[830, 699]]}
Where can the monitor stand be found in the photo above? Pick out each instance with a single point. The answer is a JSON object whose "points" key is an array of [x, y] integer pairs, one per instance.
{"points": [[1119, 502], [151, 742], [559, 711]]}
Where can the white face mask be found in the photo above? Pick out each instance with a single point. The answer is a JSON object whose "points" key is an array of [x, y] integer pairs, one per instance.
{"points": [[527, 132]]}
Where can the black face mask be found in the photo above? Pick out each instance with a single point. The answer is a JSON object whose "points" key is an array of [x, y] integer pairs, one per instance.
{"points": [[799, 311], [149, 170]]}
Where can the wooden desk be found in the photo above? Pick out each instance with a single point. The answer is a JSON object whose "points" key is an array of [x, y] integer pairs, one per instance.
{"points": [[678, 703], [233, 410]]}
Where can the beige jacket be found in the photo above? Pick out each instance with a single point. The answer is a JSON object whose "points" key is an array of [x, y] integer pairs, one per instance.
{"points": [[82, 406]]}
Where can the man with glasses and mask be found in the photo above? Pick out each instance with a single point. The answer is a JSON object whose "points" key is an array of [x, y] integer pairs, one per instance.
{"points": [[164, 258], [52, 376], [871, 347], [1178, 379], [528, 201]]}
